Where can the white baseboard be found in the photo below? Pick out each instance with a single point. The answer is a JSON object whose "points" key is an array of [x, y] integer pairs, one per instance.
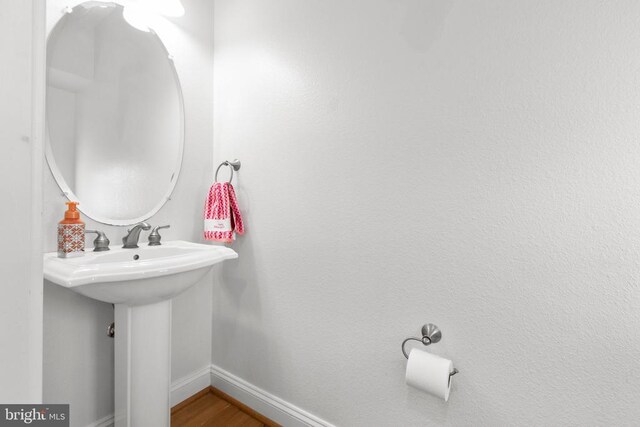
{"points": [[103, 422], [263, 402], [257, 399], [189, 385]]}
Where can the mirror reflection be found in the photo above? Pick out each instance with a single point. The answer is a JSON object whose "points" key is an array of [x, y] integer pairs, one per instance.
{"points": [[114, 115]]}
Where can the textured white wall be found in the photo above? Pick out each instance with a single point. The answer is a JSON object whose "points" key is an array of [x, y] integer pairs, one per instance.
{"points": [[21, 109], [90, 391], [470, 164]]}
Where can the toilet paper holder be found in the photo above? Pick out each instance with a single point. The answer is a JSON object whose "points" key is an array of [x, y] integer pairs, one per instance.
{"points": [[431, 334]]}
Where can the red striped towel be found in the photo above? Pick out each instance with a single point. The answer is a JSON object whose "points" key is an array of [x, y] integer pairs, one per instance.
{"points": [[222, 218]]}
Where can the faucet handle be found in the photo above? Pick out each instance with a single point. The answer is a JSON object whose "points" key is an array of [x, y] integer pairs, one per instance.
{"points": [[154, 236], [101, 243]]}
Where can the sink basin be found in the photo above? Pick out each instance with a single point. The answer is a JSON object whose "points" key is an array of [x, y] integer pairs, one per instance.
{"points": [[140, 283], [136, 276]]}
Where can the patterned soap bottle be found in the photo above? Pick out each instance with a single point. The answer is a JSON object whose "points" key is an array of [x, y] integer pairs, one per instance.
{"points": [[71, 233]]}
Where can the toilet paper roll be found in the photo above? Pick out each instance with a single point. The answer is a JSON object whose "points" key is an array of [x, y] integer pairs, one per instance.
{"points": [[430, 373]]}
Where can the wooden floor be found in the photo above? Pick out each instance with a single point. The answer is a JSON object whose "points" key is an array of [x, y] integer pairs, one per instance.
{"points": [[213, 408]]}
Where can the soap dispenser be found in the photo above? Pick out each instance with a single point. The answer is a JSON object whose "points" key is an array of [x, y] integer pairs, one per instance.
{"points": [[71, 233]]}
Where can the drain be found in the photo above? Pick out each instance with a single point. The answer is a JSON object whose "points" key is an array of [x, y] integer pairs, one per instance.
{"points": [[136, 257]]}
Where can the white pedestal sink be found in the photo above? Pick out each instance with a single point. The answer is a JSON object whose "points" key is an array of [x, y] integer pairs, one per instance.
{"points": [[140, 282]]}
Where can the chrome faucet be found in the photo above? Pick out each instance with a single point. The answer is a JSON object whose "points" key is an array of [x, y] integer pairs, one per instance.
{"points": [[130, 241]]}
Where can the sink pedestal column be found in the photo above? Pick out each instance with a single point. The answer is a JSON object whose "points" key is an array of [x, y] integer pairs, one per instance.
{"points": [[143, 365]]}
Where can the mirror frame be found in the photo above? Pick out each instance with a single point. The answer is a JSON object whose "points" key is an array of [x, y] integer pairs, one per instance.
{"points": [[53, 167]]}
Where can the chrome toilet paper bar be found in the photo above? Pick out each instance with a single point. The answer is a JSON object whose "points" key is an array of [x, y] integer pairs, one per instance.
{"points": [[431, 334]]}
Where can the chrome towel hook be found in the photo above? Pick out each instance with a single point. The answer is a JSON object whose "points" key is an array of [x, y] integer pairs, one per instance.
{"points": [[234, 165], [431, 334]]}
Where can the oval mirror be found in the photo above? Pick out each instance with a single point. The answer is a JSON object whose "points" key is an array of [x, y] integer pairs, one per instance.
{"points": [[114, 115]]}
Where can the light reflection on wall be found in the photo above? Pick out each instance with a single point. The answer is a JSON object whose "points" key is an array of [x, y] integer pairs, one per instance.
{"points": [[145, 14]]}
